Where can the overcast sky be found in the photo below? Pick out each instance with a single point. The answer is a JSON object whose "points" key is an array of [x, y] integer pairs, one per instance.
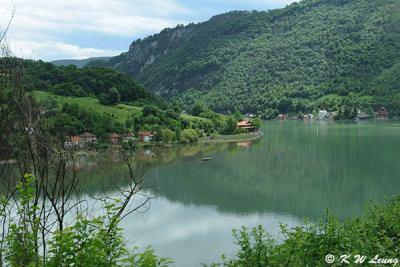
{"points": [[58, 29]]}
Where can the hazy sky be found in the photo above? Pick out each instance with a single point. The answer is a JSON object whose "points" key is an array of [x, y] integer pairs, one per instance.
{"points": [[57, 29]]}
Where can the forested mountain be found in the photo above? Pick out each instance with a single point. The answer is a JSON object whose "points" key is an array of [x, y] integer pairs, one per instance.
{"points": [[333, 54], [80, 63]]}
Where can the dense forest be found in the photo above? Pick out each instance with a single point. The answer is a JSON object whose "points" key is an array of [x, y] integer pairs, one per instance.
{"points": [[331, 54]]}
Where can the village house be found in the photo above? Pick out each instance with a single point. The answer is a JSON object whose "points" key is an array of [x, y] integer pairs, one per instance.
{"points": [[382, 112], [73, 142], [362, 115], [114, 138], [281, 116], [146, 136], [322, 114], [332, 115], [129, 136], [88, 138], [248, 125]]}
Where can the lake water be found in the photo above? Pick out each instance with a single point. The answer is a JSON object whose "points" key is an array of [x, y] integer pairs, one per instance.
{"points": [[296, 170]]}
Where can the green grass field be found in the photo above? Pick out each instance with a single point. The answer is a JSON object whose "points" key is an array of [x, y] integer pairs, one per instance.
{"points": [[120, 111], [190, 117]]}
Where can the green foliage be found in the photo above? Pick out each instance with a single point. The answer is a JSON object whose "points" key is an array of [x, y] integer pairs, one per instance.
{"points": [[282, 60], [65, 89], [375, 233], [258, 123], [396, 104], [189, 136], [197, 109], [22, 238], [231, 125], [75, 119], [167, 135], [94, 241], [111, 98], [146, 259], [238, 115]]}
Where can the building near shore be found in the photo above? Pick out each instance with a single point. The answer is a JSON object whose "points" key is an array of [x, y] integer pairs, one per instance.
{"points": [[248, 125], [74, 142], [382, 112], [129, 136], [114, 138], [146, 136], [88, 138]]}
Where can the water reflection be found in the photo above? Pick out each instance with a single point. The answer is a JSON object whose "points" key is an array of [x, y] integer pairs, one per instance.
{"points": [[192, 234], [296, 170]]}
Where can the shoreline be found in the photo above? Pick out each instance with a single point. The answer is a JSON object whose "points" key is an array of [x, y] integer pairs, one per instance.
{"points": [[234, 138]]}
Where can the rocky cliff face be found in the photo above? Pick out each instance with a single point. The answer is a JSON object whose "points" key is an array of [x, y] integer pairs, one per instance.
{"points": [[143, 53]]}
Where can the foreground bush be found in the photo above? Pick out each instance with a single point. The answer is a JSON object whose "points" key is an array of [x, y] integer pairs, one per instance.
{"points": [[375, 235], [89, 241]]}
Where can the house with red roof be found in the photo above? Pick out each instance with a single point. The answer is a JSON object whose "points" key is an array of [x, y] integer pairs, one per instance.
{"points": [[88, 138], [73, 142], [248, 125], [146, 136], [382, 112]]}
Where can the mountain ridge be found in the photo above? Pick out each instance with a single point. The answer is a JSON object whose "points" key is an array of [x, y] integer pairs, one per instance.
{"points": [[283, 60], [80, 63]]}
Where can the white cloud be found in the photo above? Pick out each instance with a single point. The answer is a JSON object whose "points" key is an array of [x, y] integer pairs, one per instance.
{"points": [[38, 24], [53, 50], [119, 17]]}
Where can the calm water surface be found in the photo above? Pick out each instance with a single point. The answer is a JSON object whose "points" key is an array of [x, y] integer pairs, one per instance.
{"points": [[296, 170]]}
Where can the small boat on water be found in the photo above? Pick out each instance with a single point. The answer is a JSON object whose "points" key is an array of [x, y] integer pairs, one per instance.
{"points": [[206, 159]]}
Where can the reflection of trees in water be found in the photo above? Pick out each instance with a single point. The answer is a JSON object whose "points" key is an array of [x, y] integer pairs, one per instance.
{"points": [[97, 172], [297, 168], [295, 171]]}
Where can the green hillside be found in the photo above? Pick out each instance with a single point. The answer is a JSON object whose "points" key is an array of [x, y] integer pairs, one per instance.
{"points": [[95, 82], [120, 112], [282, 60]]}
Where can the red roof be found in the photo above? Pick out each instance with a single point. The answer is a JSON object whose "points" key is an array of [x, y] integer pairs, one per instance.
{"points": [[74, 139], [145, 133], [130, 135], [114, 135], [246, 125]]}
